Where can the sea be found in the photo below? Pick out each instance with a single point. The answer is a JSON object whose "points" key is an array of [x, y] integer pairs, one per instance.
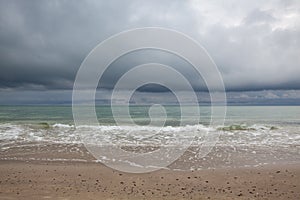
{"points": [[249, 136]]}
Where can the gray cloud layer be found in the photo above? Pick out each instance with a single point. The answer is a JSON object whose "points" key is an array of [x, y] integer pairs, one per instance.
{"points": [[256, 44], [64, 97]]}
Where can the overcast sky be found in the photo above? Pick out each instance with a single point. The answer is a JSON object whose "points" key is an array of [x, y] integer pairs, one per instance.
{"points": [[254, 43]]}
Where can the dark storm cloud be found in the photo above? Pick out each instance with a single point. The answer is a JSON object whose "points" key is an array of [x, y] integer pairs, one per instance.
{"points": [[270, 97], [255, 44], [124, 63], [43, 43]]}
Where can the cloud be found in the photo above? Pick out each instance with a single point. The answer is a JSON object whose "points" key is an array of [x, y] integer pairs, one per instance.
{"points": [[255, 44], [257, 17], [64, 97]]}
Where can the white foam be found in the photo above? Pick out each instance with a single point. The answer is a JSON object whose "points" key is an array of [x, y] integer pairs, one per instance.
{"points": [[63, 126], [10, 131], [139, 135]]}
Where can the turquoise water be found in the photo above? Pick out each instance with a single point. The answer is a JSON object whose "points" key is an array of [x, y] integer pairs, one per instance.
{"points": [[250, 135], [271, 125], [280, 115]]}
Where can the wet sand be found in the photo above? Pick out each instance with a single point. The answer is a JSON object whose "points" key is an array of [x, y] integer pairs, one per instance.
{"points": [[79, 180]]}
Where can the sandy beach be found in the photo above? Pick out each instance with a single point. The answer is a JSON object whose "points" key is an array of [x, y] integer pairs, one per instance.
{"points": [[48, 161], [78, 180], [149, 100]]}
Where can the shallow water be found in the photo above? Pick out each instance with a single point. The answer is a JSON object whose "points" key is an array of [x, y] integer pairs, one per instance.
{"points": [[251, 135]]}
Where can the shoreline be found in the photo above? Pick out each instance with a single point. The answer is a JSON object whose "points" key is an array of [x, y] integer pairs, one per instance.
{"points": [[220, 156], [77, 180]]}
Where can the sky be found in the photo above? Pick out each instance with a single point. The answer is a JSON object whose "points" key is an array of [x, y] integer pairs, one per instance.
{"points": [[255, 44]]}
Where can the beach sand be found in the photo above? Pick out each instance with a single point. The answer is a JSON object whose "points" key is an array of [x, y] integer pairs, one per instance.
{"points": [[87, 180]]}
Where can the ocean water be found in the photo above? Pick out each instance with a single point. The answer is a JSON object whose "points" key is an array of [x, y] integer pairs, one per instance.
{"points": [[250, 136]]}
